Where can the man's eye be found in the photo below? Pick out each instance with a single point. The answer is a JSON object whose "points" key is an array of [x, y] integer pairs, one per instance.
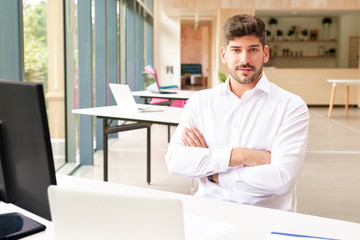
{"points": [[253, 49]]}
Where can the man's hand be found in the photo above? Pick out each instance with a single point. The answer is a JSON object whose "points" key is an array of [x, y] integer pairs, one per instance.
{"points": [[193, 138], [216, 177], [249, 157]]}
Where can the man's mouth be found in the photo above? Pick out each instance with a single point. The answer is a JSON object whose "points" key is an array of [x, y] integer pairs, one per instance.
{"points": [[245, 69]]}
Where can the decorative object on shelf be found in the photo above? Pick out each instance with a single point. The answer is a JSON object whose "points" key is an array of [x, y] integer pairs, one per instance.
{"points": [[273, 22], [286, 52], [327, 20], [291, 33], [276, 49], [268, 35], [314, 35], [304, 34], [332, 51], [326, 24], [279, 35], [321, 50], [297, 30]]}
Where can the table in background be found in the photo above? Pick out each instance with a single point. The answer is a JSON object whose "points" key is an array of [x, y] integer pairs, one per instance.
{"points": [[177, 95], [347, 83], [167, 116], [250, 222]]}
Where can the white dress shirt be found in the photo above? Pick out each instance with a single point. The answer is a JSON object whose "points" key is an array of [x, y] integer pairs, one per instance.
{"points": [[265, 118]]}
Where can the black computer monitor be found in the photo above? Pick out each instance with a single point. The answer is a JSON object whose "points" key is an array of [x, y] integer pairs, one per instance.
{"points": [[27, 165]]}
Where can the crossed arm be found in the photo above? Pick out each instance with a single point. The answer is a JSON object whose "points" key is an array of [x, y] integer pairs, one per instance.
{"points": [[239, 156]]}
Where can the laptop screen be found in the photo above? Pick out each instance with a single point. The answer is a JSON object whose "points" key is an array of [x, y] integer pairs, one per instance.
{"points": [[149, 79]]}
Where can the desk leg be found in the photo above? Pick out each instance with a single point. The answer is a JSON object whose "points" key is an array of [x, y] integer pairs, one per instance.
{"points": [[168, 133], [148, 157], [347, 100], [105, 123], [332, 98]]}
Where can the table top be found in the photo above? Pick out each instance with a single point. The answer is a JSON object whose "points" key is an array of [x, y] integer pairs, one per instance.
{"points": [[167, 115], [345, 81], [251, 222], [178, 94]]}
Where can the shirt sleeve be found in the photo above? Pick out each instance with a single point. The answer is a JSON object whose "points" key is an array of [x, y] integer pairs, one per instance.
{"points": [[194, 161], [287, 156]]}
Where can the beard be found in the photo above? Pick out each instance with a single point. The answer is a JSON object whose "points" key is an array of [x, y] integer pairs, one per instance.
{"points": [[244, 78]]}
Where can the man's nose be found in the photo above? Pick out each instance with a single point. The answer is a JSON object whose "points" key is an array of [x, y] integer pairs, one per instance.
{"points": [[244, 57]]}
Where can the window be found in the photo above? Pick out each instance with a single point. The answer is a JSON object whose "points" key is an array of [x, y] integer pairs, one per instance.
{"points": [[106, 42], [43, 62]]}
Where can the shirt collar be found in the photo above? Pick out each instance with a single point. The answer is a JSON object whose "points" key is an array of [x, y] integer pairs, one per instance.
{"points": [[262, 85]]}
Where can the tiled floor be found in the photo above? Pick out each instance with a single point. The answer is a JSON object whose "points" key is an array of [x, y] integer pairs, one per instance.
{"points": [[327, 185]]}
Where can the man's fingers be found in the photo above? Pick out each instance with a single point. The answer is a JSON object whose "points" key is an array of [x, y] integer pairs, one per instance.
{"points": [[189, 139], [200, 137], [185, 142], [192, 138]]}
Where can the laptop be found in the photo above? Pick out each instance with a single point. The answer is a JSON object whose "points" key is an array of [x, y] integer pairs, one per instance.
{"points": [[87, 214], [125, 100], [151, 83]]}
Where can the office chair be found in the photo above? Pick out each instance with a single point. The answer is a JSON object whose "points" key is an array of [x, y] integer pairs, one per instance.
{"points": [[150, 80]]}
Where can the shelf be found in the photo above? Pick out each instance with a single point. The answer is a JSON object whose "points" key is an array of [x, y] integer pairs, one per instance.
{"points": [[302, 41], [304, 57]]}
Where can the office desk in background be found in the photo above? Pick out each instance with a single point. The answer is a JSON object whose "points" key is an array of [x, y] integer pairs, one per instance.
{"points": [[178, 95], [250, 222], [168, 116]]}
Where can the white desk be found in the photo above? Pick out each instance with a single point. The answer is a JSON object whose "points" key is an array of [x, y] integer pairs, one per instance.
{"points": [[179, 95], [168, 116], [347, 83], [252, 222]]}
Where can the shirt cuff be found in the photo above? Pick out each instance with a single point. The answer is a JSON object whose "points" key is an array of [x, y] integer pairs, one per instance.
{"points": [[220, 159]]}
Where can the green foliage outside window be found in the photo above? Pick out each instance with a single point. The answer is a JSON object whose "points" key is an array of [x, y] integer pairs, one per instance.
{"points": [[35, 47]]}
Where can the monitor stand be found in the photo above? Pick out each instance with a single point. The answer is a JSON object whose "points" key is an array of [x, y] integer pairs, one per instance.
{"points": [[12, 225], [6, 194], [15, 225]]}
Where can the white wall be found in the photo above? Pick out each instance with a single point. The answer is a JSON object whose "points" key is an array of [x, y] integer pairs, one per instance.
{"points": [[349, 26], [166, 45]]}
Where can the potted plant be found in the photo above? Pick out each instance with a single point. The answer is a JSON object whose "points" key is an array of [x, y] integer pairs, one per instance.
{"points": [[222, 77], [332, 51], [273, 22], [327, 21], [291, 32], [279, 34], [268, 34], [304, 33]]}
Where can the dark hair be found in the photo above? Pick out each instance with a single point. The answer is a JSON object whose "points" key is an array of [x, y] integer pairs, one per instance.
{"points": [[244, 25]]}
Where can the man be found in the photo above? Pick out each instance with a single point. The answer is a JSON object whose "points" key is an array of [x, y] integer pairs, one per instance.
{"points": [[246, 139]]}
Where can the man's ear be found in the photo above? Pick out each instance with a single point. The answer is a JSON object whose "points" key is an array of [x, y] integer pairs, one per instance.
{"points": [[266, 53], [223, 55]]}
